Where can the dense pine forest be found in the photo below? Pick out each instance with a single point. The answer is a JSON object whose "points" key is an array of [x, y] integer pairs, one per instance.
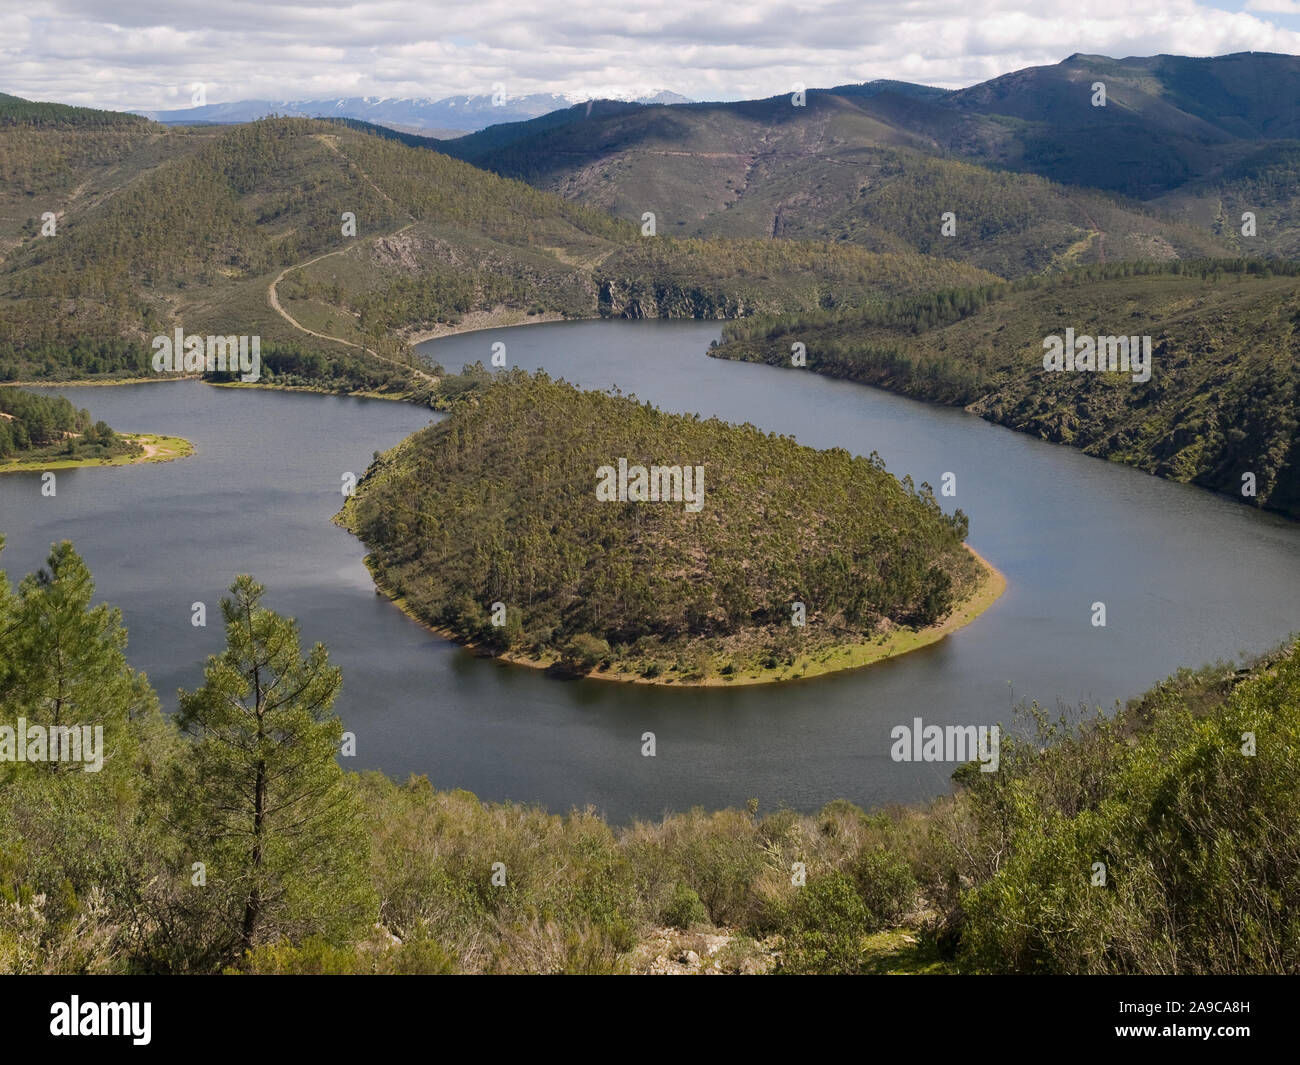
{"points": [[499, 505], [15, 111], [228, 838]]}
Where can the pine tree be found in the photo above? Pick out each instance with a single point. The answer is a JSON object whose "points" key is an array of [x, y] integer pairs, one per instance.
{"points": [[64, 662], [74, 837], [261, 800]]}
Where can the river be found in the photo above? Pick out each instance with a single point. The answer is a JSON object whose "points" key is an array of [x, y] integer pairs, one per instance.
{"points": [[1186, 577]]}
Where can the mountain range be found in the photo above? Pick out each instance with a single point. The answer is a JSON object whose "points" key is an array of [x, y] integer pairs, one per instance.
{"points": [[1037, 175], [446, 117]]}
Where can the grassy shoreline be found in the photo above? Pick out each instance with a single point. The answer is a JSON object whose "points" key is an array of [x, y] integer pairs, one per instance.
{"points": [[94, 383], [156, 449], [394, 397], [837, 660]]}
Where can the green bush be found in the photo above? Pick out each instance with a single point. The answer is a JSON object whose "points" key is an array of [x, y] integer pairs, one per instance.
{"points": [[583, 652], [826, 926], [1200, 843], [315, 957], [684, 909], [886, 885]]}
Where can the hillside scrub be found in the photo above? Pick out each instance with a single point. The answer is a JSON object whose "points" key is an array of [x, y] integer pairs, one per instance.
{"points": [[1196, 829]]}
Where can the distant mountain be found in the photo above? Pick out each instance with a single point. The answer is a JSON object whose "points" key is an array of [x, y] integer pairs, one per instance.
{"points": [[1036, 175], [452, 114], [1246, 95]]}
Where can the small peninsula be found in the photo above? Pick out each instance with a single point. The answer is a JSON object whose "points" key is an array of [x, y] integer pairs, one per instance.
{"points": [[594, 535], [39, 432]]}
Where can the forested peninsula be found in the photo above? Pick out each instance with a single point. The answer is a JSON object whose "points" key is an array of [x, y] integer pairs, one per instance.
{"points": [[517, 525], [39, 432]]}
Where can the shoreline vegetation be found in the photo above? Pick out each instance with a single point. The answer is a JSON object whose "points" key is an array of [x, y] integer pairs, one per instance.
{"points": [[1218, 337], [472, 322], [91, 382], [42, 432], [155, 448], [392, 397], [837, 659]]}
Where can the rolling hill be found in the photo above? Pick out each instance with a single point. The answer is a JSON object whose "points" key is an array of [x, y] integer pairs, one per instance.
{"points": [[1051, 181], [242, 230]]}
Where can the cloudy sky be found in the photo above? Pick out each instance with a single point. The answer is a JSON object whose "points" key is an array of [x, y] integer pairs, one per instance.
{"points": [[148, 55]]}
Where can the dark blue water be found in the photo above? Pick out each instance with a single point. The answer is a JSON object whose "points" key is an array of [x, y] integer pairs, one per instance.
{"points": [[1186, 577]]}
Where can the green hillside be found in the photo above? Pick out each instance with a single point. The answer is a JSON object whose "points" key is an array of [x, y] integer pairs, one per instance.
{"points": [[1263, 183], [500, 504], [879, 171], [239, 231], [1050, 180], [1223, 399], [15, 111]]}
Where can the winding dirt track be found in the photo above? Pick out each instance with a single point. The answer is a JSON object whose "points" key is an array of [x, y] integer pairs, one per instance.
{"points": [[274, 299]]}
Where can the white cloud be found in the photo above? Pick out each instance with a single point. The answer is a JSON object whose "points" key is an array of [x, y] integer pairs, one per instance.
{"points": [[1275, 7], [146, 55]]}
